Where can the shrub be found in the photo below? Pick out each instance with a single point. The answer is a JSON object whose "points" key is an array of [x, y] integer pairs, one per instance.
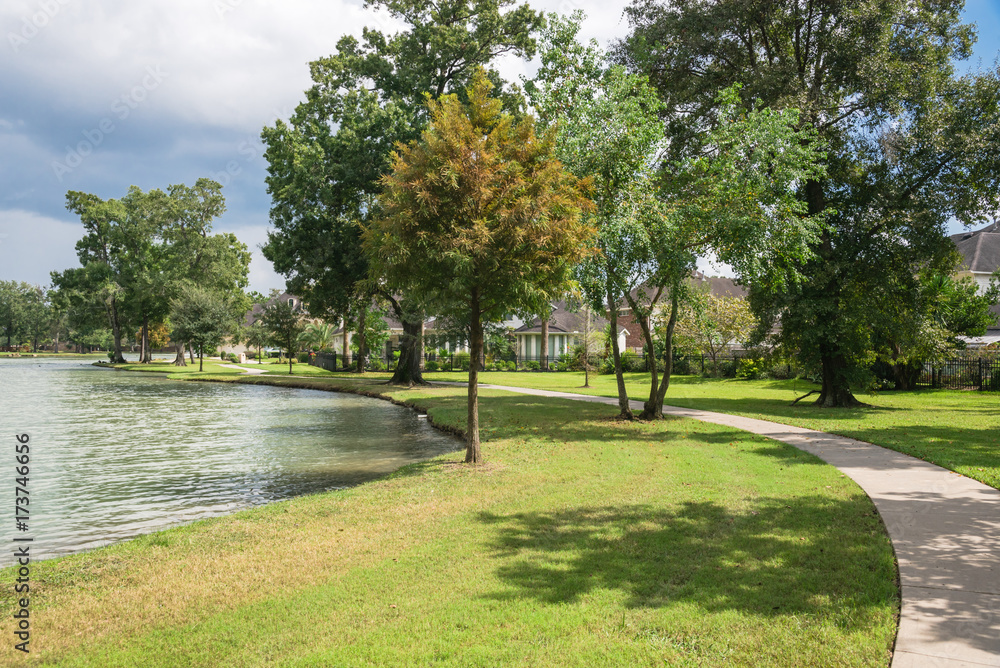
{"points": [[509, 366], [303, 357], [461, 361], [431, 365], [631, 362], [750, 368], [532, 365]]}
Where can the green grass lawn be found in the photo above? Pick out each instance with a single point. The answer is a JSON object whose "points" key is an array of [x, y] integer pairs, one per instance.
{"points": [[583, 542], [955, 429]]}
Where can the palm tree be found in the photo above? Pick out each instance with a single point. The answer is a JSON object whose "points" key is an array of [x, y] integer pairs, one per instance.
{"points": [[317, 336]]}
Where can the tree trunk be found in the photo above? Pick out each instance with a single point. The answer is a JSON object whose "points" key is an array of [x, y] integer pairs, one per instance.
{"points": [[649, 411], [147, 354], [362, 342], [290, 353], [116, 332], [179, 358], [545, 342], [472, 450], [836, 391], [201, 357], [346, 362], [624, 410], [408, 368], [586, 351], [55, 344], [191, 351], [668, 351]]}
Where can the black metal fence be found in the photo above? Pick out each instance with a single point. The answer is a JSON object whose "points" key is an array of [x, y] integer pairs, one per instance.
{"points": [[965, 372]]}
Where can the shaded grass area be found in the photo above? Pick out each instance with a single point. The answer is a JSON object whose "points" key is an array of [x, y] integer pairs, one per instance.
{"points": [[954, 429], [584, 541]]}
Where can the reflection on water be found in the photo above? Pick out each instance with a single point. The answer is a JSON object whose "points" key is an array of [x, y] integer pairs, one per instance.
{"points": [[115, 454]]}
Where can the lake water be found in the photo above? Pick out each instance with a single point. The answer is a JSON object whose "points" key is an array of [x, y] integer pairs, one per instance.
{"points": [[116, 454]]}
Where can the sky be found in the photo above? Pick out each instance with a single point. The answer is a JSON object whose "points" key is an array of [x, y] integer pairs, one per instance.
{"points": [[100, 95]]}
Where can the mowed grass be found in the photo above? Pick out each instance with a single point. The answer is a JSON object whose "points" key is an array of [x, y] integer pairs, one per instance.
{"points": [[215, 367], [583, 542], [957, 430]]}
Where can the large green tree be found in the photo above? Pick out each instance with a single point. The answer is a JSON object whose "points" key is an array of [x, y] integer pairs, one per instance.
{"points": [[326, 162], [203, 318], [481, 218], [141, 250], [735, 198], [910, 145]]}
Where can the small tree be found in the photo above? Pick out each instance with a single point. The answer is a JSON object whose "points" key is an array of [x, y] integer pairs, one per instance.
{"points": [[481, 218], [714, 323], [256, 336], [285, 325], [202, 318]]}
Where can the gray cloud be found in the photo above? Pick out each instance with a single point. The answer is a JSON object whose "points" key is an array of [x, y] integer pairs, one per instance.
{"points": [[167, 91]]}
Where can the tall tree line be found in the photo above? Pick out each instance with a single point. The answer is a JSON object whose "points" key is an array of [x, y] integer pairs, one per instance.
{"points": [[140, 252]]}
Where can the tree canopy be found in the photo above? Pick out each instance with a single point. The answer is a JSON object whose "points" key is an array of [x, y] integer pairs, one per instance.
{"points": [[326, 163], [909, 145], [480, 218]]}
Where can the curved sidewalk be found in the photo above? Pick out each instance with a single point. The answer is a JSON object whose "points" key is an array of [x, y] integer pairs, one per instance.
{"points": [[944, 527]]}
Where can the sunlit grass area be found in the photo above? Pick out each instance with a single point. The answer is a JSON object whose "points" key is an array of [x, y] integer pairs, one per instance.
{"points": [[959, 430], [584, 541]]}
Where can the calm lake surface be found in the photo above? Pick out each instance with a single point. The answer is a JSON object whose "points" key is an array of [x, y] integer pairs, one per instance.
{"points": [[117, 454]]}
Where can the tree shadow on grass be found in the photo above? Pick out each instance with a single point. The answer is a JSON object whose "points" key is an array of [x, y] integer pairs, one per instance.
{"points": [[813, 555]]}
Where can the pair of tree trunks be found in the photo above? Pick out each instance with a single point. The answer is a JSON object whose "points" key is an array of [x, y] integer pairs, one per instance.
{"points": [[653, 407], [624, 411]]}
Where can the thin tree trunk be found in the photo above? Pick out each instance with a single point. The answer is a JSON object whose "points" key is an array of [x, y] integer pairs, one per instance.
{"points": [[147, 354], [624, 410], [55, 344], [362, 347], [201, 357], [116, 332], [290, 353], [586, 351], [473, 455], [545, 342], [191, 351], [346, 362]]}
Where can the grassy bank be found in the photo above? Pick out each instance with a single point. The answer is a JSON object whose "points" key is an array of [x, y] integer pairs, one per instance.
{"points": [[955, 429], [583, 542]]}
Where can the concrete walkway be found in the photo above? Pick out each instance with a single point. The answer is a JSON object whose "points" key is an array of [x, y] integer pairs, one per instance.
{"points": [[945, 529], [251, 372]]}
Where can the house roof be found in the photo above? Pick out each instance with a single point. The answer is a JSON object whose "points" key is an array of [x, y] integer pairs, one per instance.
{"points": [[980, 249], [718, 286], [254, 314], [564, 321]]}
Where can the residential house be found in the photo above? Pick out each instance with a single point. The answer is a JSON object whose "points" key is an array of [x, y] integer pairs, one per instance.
{"points": [[980, 251], [719, 286], [566, 330]]}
